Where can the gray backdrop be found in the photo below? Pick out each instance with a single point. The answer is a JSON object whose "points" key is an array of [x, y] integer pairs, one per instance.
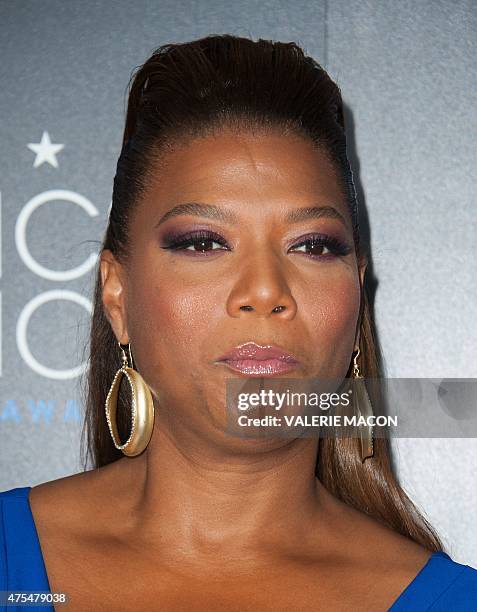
{"points": [[407, 74]]}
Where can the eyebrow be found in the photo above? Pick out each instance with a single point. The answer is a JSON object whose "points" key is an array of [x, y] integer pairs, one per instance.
{"points": [[217, 213]]}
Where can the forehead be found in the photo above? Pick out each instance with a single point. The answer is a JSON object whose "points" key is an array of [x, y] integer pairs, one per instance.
{"points": [[230, 168]]}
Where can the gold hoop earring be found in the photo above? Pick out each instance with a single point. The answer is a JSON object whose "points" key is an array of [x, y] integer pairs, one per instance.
{"points": [[142, 413], [363, 407]]}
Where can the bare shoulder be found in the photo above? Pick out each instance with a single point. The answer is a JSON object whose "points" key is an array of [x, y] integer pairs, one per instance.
{"points": [[370, 537], [394, 550], [387, 561], [73, 501], [374, 561], [394, 558]]}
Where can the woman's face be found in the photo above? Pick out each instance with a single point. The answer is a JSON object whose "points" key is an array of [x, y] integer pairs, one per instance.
{"points": [[180, 302]]}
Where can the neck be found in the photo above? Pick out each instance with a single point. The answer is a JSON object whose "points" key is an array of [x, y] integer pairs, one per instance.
{"points": [[196, 500]]}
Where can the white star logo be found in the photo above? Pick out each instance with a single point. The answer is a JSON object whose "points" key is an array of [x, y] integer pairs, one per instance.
{"points": [[45, 151]]}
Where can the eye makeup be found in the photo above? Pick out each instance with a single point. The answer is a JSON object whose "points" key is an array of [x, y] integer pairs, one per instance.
{"points": [[314, 241], [203, 240]]}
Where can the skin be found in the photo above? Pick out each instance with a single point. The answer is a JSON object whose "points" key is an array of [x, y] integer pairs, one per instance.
{"points": [[241, 522], [181, 312]]}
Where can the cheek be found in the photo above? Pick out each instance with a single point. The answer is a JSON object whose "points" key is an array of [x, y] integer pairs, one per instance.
{"points": [[334, 313], [169, 321]]}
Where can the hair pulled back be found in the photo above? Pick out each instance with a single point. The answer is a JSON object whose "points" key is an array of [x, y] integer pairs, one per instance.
{"points": [[193, 89]]}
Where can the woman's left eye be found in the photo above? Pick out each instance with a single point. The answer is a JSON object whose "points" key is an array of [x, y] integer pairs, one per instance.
{"points": [[315, 247]]}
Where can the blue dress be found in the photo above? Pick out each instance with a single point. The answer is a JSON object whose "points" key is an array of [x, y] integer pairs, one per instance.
{"points": [[442, 585]]}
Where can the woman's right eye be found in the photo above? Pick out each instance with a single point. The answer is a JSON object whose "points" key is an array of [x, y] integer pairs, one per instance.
{"points": [[196, 242]]}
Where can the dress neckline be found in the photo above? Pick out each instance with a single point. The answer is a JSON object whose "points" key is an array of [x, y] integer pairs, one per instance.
{"points": [[38, 543], [419, 583], [414, 587]]}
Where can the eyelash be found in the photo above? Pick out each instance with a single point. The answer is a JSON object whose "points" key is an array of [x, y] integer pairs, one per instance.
{"points": [[337, 248]]}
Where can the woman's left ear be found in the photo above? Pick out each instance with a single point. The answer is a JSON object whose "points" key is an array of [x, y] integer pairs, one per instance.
{"points": [[362, 266]]}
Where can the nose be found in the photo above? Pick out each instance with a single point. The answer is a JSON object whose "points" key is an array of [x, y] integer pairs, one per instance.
{"points": [[262, 291]]}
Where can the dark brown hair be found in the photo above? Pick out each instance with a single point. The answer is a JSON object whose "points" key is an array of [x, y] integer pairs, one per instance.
{"points": [[190, 89]]}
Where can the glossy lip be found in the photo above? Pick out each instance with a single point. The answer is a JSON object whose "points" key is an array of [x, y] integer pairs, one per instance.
{"points": [[254, 359]]}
